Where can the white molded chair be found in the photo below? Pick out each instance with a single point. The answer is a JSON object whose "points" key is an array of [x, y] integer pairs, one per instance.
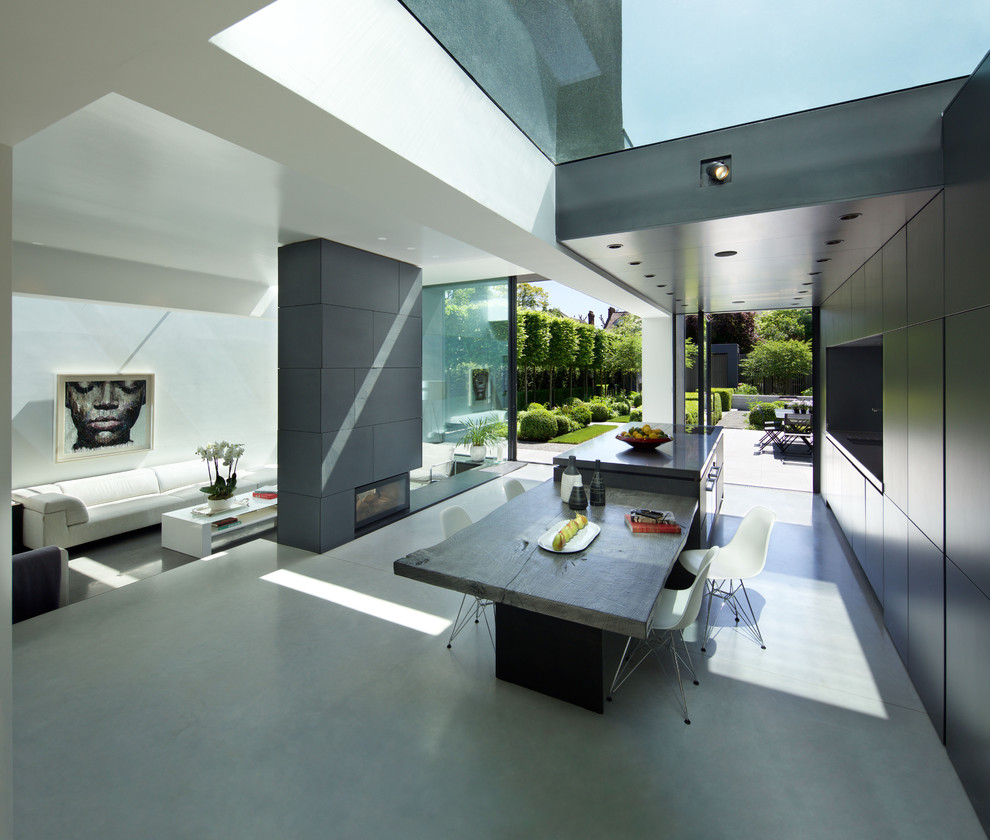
{"points": [[512, 487], [743, 557], [452, 520], [676, 610]]}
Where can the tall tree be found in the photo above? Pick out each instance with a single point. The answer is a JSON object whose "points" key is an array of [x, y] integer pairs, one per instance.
{"points": [[584, 355], [532, 344], [532, 297], [561, 347], [784, 325], [779, 361]]}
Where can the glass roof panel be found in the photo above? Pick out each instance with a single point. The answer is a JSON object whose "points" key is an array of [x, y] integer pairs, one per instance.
{"points": [[587, 77]]}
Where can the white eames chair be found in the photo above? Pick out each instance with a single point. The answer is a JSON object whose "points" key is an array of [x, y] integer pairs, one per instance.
{"points": [[452, 520], [513, 487], [676, 610], [744, 557]]}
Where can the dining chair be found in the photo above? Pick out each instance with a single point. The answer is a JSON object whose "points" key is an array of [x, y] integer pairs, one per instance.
{"points": [[742, 558], [676, 610], [452, 520], [513, 487]]}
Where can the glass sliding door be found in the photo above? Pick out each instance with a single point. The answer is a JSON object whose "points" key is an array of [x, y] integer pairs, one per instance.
{"points": [[466, 360]]}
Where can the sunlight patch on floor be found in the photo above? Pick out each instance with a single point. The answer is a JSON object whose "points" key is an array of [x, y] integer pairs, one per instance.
{"points": [[101, 573], [368, 604]]}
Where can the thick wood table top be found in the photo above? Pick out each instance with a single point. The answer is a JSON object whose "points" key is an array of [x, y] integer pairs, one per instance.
{"points": [[613, 584]]}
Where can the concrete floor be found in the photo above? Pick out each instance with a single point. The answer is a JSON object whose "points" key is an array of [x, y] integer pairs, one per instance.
{"points": [[269, 693]]}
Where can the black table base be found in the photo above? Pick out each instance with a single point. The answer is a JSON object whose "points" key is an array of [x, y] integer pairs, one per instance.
{"points": [[559, 658]]}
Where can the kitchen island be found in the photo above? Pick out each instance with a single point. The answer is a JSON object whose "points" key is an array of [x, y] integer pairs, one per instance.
{"points": [[689, 465], [561, 617]]}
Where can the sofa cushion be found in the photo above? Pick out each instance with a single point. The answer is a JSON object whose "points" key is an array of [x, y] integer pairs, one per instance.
{"points": [[101, 489], [171, 476], [28, 492]]}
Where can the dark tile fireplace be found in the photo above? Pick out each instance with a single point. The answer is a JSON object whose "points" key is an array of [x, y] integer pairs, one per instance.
{"points": [[380, 500]]}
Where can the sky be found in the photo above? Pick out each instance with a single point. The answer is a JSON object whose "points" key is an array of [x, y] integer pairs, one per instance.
{"points": [[690, 67], [574, 303]]}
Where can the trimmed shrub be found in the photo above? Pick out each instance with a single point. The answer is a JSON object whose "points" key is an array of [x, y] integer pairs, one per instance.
{"points": [[636, 415], [746, 388], [600, 412], [620, 407], [579, 412], [563, 424], [637, 400], [691, 407], [807, 392], [538, 426], [536, 407], [762, 413], [724, 395]]}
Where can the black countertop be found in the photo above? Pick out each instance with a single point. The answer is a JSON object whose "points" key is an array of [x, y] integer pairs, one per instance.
{"points": [[684, 457]]}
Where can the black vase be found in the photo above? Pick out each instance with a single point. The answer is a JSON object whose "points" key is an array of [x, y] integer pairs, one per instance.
{"points": [[597, 488], [579, 499]]}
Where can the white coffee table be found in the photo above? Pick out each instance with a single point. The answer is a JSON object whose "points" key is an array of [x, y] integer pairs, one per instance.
{"points": [[190, 532]]}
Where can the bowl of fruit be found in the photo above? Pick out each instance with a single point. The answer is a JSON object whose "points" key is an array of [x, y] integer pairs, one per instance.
{"points": [[644, 437]]}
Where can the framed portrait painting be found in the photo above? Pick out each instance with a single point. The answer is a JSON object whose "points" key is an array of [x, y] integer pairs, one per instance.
{"points": [[103, 414]]}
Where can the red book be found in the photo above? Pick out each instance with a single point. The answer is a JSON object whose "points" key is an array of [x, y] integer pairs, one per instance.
{"points": [[264, 494], [652, 527]]}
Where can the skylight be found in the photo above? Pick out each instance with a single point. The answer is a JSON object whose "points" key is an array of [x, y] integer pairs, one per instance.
{"points": [[583, 79]]}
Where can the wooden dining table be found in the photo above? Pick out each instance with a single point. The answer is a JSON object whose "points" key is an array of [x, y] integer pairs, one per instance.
{"points": [[561, 619]]}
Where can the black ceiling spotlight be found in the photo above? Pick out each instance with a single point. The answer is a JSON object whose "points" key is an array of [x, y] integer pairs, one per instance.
{"points": [[813, 273], [716, 171], [835, 241], [823, 259], [635, 262], [661, 285], [808, 283], [649, 276], [726, 253], [614, 245], [848, 217]]}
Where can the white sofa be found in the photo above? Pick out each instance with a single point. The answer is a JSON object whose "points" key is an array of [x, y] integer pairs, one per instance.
{"points": [[70, 513]]}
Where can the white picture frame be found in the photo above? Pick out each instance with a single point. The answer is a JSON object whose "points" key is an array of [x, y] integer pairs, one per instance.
{"points": [[103, 414]]}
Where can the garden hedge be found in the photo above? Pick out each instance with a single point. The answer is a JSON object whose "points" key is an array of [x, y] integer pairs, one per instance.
{"points": [[762, 413], [538, 426]]}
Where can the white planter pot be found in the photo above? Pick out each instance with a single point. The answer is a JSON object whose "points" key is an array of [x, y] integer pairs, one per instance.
{"points": [[477, 454], [218, 505]]}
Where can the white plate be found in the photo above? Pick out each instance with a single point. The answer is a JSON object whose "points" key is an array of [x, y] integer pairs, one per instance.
{"points": [[579, 542]]}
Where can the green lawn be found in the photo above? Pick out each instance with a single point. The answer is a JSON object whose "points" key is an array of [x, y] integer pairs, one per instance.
{"points": [[581, 435], [622, 418]]}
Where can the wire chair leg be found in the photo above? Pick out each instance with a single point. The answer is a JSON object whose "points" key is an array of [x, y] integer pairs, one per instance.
{"points": [[752, 615], [459, 622]]}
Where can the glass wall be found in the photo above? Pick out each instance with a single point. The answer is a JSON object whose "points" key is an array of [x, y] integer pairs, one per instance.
{"points": [[465, 359]]}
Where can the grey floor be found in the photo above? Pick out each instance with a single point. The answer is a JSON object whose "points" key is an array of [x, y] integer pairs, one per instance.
{"points": [[269, 693]]}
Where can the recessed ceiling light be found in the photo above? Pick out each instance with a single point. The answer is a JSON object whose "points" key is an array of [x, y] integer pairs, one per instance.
{"points": [[410, 248], [808, 283], [848, 217], [813, 273], [726, 253], [636, 262], [823, 259], [738, 301], [835, 241], [382, 238], [649, 276], [615, 245], [805, 292], [669, 293], [661, 285]]}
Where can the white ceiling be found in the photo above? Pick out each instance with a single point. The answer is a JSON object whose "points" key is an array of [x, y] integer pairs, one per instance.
{"points": [[137, 139]]}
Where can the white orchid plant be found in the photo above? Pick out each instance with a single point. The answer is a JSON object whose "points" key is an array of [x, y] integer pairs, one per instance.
{"points": [[220, 454]]}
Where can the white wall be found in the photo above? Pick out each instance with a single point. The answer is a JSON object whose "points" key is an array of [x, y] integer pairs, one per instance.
{"points": [[658, 369], [6, 727], [215, 377]]}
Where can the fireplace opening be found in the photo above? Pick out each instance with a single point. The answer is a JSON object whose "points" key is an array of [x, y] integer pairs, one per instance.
{"points": [[380, 500]]}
